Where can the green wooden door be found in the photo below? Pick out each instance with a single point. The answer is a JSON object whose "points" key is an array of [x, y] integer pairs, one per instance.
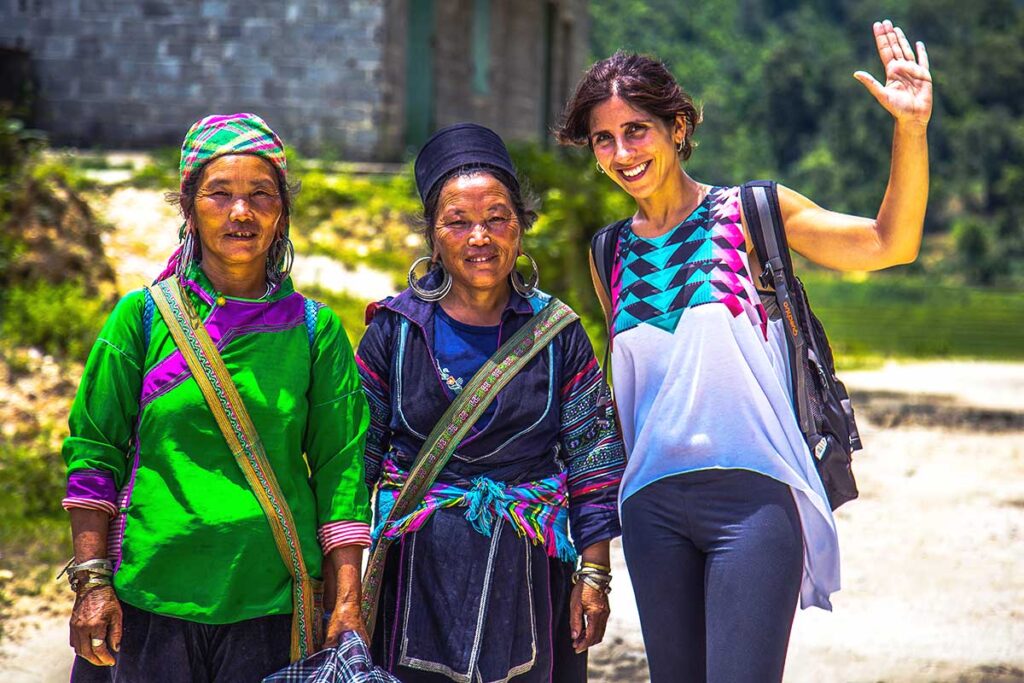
{"points": [[419, 73]]}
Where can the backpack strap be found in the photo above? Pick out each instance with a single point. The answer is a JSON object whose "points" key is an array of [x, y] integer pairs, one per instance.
{"points": [[760, 201], [310, 311], [602, 246]]}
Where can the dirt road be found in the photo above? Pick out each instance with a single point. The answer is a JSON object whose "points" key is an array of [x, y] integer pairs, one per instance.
{"points": [[933, 580]]}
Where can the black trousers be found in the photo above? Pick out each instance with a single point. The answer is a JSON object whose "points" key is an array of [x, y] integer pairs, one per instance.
{"points": [[159, 649], [716, 559]]}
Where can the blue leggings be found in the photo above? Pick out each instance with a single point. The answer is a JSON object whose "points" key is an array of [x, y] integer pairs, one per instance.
{"points": [[715, 558]]}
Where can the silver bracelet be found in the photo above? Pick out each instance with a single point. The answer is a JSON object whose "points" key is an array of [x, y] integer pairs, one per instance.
{"points": [[600, 587], [98, 572]]}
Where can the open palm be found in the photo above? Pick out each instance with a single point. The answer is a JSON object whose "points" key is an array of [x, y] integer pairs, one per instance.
{"points": [[907, 93]]}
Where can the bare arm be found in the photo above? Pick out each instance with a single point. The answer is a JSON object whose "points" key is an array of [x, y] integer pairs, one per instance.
{"points": [[346, 564], [893, 237], [97, 613]]}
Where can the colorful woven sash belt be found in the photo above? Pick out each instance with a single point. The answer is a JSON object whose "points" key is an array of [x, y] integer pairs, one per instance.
{"points": [[537, 510]]}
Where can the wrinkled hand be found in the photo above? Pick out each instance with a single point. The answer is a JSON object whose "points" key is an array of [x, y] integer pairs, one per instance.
{"points": [[345, 617], [96, 615], [907, 93], [588, 616]]}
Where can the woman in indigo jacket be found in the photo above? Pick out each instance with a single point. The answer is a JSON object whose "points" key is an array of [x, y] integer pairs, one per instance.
{"points": [[478, 584]]}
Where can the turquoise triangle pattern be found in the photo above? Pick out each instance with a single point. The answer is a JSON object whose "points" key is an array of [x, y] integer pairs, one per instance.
{"points": [[668, 321], [705, 294], [624, 320], [662, 301], [628, 278], [663, 278], [660, 278]]}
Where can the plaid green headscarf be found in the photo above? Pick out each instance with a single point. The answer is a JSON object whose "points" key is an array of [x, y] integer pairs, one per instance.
{"points": [[214, 136], [220, 134]]}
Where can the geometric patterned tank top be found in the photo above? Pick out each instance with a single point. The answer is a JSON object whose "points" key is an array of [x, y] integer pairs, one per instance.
{"points": [[654, 280]]}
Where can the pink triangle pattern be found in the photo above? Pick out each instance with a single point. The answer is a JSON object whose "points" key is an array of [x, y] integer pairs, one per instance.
{"points": [[735, 288]]}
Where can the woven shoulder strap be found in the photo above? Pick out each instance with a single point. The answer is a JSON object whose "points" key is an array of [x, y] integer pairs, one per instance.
{"points": [[232, 418], [449, 431]]}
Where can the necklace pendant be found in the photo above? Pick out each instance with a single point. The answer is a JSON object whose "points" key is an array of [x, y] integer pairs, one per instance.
{"points": [[221, 300]]}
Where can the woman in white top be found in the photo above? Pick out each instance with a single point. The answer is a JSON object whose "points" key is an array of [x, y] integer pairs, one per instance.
{"points": [[724, 518]]}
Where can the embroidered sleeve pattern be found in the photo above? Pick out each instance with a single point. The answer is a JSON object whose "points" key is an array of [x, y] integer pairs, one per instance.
{"points": [[373, 361], [593, 450]]}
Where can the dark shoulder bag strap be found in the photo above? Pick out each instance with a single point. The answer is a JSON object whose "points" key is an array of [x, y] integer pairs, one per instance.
{"points": [[764, 224], [602, 248]]}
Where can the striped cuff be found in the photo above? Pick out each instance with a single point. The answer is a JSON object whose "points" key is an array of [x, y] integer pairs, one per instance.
{"points": [[89, 504], [337, 534], [91, 490]]}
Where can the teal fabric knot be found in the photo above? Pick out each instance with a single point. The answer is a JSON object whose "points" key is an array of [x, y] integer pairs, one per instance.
{"points": [[482, 502]]}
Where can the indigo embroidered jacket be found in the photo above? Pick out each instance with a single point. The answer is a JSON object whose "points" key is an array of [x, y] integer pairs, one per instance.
{"points": [[555, 417]]}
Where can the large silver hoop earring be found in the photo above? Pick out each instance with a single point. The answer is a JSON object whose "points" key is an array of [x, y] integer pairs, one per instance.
{"points": [[679, 147], [429, 294], [525, 288], [280, 260], [599, 169], [187, 255]]}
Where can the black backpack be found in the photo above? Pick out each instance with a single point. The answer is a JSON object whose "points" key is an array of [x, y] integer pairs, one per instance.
{"points": [[822, 405]]}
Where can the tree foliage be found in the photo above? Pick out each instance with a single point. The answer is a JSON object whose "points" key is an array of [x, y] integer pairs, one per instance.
{"points": [[780, 101]]}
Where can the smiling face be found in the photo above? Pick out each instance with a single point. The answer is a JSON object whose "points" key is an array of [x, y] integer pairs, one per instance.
{"points": [[476, 231], [636, 149], [238, 208]]}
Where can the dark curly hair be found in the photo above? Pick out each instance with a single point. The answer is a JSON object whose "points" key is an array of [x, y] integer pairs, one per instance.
{"points": [[643, 82]]}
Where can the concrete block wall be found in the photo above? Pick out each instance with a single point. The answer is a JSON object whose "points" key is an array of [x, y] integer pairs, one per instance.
{"points": [[514, 103], [131, 73]]}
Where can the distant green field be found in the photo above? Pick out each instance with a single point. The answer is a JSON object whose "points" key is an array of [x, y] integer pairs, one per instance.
{"points": [[912, 318], [882, 317]]}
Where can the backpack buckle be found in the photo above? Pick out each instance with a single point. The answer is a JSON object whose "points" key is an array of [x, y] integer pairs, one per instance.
{"points": [[767, 276]]}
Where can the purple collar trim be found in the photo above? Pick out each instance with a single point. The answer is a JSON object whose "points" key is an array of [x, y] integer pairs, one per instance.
{"points": [[225, 323]]}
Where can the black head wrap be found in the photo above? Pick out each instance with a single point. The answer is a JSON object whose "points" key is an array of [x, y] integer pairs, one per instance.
{"points": [[459, 145]]}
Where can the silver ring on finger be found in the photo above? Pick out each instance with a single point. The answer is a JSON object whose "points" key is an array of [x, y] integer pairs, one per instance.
{"points": [[96, 642]]}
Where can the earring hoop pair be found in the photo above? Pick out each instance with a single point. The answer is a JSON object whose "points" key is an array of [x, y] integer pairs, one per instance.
{"points": [[524, 287]]}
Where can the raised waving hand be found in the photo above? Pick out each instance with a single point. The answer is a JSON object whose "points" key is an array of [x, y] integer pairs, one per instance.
{"points": [[907, 93]]}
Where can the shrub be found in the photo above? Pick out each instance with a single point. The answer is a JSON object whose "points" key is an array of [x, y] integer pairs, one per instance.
{"points": [[59, 319]]}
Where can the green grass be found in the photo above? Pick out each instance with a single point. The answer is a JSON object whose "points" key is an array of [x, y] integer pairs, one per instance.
{"points": [[898, 317], [62, 320]]}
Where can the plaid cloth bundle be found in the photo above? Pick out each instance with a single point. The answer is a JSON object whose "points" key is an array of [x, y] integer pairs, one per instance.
{"points": [[347, 663]]}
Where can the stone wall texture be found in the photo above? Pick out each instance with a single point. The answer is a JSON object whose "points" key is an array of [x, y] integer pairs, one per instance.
{"points": [[328, 75]]}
